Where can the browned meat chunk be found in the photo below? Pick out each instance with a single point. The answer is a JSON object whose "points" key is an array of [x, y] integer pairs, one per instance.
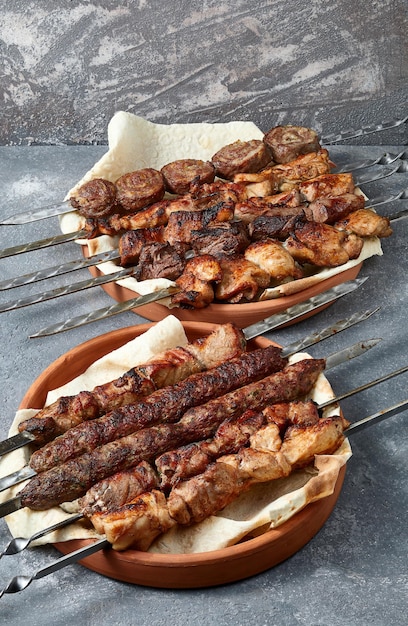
{"points": [[276, 223], [178, 175], [140, 188], [330, 209], [240, 156], [94, 199], [196, 282], [326, 185], [366, 223], [132, 242], [285, 143], [182, 223], [159, 260], [272, 257], [227, 239], [241, 280], [323, 245]]}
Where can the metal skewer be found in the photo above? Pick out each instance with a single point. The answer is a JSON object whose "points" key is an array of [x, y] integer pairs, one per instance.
{"points": [[387, 158], [290, 314], [337, 358], [113, 255], [365, 130], [24, 438], [21, 582]]}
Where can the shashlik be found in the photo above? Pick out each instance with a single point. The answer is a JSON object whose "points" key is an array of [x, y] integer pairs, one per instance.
{"points": [[172, 366], [165, 405], [73, 478]]}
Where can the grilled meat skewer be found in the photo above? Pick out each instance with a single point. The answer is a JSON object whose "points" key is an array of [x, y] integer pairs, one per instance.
{"points": [[73, 478], [172, 366], [19, 583], [165, 405]]}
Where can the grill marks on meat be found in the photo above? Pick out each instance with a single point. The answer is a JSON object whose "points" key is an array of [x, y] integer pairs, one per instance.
{"points": [[164, 405], [112, 493], [173, 365], [323, 245], [224, 240], [193, 500], [73, 478], [330, 209], [180, 224]]}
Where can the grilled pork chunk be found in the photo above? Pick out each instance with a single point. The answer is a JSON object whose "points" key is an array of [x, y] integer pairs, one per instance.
{"points": [[323, 245]]}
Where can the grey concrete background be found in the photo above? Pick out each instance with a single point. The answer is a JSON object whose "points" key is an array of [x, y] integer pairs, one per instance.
{"points": [[67, 67]]}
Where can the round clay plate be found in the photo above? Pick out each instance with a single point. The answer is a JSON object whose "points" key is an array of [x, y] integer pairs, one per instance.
{"points": [[241, 314], [181, 571]]}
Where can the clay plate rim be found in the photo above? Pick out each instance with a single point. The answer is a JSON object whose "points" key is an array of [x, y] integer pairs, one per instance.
{"points": [[181, 571], [242, 314]]}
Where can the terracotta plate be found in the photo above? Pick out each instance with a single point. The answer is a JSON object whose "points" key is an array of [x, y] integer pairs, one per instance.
{"points": [[241, 314], [182, 570]]}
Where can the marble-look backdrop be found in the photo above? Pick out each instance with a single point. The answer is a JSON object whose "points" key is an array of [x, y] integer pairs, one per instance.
{"points": [[67, 67]]}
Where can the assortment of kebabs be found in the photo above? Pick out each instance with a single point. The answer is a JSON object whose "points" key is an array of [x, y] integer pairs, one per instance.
{"points": [[175, 440], [258, 214]]}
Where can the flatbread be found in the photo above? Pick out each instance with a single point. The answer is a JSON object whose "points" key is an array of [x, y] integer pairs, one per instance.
{"points": [[270, 504], [136, 143]]}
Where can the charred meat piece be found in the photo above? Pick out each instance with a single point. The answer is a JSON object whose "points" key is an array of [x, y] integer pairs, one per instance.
{"points": [[159, 260], [323, 245], [366, 223], [132, 242], [181, 223], [140, 188], [272, 257], [164, 405], [254, 207], [192, 459], [332, 208], [241, 280], [209, 194], [285, 143], [72, 479], [288, 175], [326, 185], [166, 368], [115, 491], [196, 282], [226, 239], [94, 199], [276, 223], [178, 175], [240, 156]]}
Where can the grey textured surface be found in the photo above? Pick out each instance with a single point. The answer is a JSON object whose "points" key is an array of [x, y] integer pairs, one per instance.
{"points": [[69, 66], [355, 570]]}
